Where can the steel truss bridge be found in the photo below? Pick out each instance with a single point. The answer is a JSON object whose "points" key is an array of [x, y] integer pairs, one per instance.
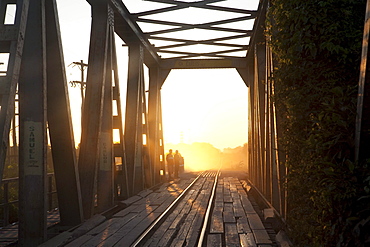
{"points": [[34, 95]]}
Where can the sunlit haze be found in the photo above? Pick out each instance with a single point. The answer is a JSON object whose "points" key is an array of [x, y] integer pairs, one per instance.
{"points": [[205, 106]]}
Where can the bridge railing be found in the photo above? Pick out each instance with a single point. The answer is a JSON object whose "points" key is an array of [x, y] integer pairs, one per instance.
{"points": [[9, 198]]}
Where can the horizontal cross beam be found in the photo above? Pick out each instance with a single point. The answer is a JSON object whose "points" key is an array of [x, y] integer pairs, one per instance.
{"points": [[227, 63]]}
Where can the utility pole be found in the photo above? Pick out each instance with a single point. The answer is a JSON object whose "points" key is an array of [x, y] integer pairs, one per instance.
{"points": [[82, 66]]}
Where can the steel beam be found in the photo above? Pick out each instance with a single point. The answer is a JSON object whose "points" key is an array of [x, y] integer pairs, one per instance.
{"points": [[12, 44], [239, 63], [92, 114], [197, 4], [153, 122], [273, 141], [161, 145], [105, 182], [362, 136], [121, 181], [133, 120], [155, 82], [32, 126], [260, 83], [130, 32], [60, 124], [252, 142], [244, 75]]}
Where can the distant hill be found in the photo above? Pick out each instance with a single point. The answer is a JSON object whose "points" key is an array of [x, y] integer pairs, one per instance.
{"points": [[203, 156]]}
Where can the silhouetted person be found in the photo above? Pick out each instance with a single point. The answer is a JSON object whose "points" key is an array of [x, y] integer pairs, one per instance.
{"points": [[182, 166], [170, 163], [177, 158], [178, 161]]}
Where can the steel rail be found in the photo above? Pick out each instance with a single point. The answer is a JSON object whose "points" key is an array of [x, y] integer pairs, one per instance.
{"points": [[208, 212], [173, 204]]}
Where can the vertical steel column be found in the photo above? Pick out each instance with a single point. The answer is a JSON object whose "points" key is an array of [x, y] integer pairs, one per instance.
{"points": [[120, 180], [156, 80], [32, 125], [258, 126], [105, 188], [276, 180], [14, 45], [161, 145], [268, 140], [153, 122], [252, 120], [60, 124], [261, 93], [92, 114], [249, 77], [147, 163], [362, 136], [133, 120]]}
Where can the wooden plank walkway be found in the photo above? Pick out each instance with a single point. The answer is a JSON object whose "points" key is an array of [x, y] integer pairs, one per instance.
{"points": [[9, 234], [233, 221]]}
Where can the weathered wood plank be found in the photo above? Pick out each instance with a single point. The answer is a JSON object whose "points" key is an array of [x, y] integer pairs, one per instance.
{"points": [[238, 208], [141, 219], [184, 212], [145, 193], [112, 225], [80, 241], [243, 225], [231, 235], [59, 240], [261, 237], [167, 203], [160, 199], [214, 240], [131, 200], [219, 194], [228, 198], [228, 213], [88, 225], [247, 205], [242, 192], [255, 222], [196, 227], [125, 211], [184, 229], [107, 229], [217, 225], [173, 219], [132, 235], [167, 238], [247, 240]]}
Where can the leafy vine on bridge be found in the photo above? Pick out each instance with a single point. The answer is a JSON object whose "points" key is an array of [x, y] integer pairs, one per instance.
{"points": [[317, 51]]}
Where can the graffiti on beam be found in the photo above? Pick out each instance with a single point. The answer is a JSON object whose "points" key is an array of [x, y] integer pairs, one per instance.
{"points": [[33, 148]]}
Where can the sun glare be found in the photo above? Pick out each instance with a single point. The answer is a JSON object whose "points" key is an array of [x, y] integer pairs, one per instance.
{"points": [[204, 106]]}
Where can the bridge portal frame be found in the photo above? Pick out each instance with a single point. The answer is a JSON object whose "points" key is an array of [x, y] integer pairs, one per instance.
{"points": [[142, 166]]}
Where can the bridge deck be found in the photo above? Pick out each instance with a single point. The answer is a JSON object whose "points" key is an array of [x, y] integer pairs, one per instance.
{"points": [[233, 219], [9, 234]]}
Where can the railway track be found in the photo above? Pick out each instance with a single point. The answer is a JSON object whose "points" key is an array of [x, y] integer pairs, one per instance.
{"points": [[211, 209], [186, 211]]}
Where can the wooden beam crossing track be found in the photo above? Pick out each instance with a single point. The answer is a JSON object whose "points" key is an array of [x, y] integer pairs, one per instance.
{"points": [[174, 215]]}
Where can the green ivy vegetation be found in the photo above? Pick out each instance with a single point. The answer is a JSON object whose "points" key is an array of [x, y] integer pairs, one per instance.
{"points": [[317, 51]]}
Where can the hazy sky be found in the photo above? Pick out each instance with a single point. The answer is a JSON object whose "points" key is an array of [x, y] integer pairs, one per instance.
{"points": [[198, 105]]}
